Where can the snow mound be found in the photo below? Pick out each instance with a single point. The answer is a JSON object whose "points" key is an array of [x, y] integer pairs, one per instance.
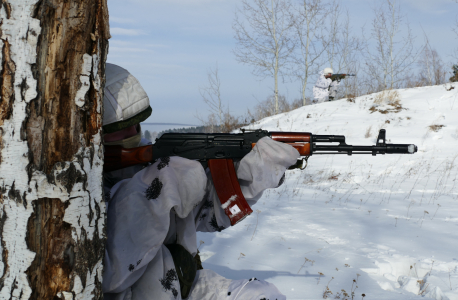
{"points": [[382, 226]]}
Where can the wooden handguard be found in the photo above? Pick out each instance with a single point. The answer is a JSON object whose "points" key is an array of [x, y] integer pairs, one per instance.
{"points": [[302, 148], [228, 189], [291, 137], [299, 140], [117, 157]]}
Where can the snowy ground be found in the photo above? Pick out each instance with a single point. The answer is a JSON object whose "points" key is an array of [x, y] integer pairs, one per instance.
{"points": [[383, 226]]}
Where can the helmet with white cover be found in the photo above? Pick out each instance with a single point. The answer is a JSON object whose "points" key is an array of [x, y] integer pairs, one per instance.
{"points": [[328, 71], [125, 102]]}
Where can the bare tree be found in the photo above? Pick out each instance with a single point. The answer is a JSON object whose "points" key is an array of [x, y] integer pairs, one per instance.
{"points": [[266, 108], [454, 77], [327, 41], [229, 123], [51, 199], [347, 48], [310, 31], [263, 35], [455, 28], [211, 94], [333, 30], [391, 50], [220, 119], [432, 69]]}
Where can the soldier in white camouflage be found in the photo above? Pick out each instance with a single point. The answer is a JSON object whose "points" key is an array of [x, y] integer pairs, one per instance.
{"points": [[155, 210], [325, 89]]}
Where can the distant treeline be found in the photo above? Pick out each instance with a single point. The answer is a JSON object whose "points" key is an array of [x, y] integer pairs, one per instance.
{"points": [[202, 129], [197, 129], [152, 136]]}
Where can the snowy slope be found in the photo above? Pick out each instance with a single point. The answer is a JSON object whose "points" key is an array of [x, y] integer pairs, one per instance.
{"points": [[383, 226]]}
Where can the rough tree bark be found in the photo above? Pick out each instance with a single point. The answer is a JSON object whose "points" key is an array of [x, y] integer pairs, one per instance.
{"points": [[52, 214]]}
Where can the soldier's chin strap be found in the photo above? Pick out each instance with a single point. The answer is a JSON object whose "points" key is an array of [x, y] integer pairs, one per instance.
{"points": [[228, 189]]}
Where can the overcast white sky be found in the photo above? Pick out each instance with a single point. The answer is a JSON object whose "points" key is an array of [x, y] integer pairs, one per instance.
{"points": [[169, 45]]}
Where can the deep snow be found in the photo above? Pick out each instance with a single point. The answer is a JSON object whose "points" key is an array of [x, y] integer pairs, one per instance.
{"points": [[383, 226]]}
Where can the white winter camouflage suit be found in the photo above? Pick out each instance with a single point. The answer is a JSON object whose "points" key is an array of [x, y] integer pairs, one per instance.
{"points": [[324, 87], [168, 202]]}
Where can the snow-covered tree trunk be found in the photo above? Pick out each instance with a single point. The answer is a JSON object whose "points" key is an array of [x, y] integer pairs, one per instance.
{"points": [[51, 207]]}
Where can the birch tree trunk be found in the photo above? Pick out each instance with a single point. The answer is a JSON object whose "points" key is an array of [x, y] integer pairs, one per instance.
{"points": [[310, 28], [393, 55], [264, 38], [52, 214]]}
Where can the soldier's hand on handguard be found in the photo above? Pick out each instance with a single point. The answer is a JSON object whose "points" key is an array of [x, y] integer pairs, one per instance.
{"points": [[265, 166]]}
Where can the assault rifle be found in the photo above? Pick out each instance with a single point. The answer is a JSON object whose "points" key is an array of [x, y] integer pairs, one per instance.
{"points": [[218, 150], [340, 76]]}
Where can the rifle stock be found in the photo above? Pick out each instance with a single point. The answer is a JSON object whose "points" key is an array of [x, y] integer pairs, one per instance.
{"points": [[117, 157]]}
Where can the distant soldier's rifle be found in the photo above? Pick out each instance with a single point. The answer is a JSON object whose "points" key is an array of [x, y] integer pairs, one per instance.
{"points": [[218, 150], [340, 76]]}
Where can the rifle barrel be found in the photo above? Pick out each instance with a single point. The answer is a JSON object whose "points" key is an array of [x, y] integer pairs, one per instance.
{"points": [[378, 149]]}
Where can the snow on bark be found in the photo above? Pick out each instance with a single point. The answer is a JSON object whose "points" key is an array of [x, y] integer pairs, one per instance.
{"points": [[85, 80], [85, 194], [73, 188], [96, 78], [19, 49]]}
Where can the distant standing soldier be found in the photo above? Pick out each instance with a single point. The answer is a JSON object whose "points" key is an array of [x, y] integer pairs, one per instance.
{"points": [[325, 88]]}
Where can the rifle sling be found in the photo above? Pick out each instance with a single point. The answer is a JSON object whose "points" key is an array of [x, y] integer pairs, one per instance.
{"points": [[186, 267]]}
